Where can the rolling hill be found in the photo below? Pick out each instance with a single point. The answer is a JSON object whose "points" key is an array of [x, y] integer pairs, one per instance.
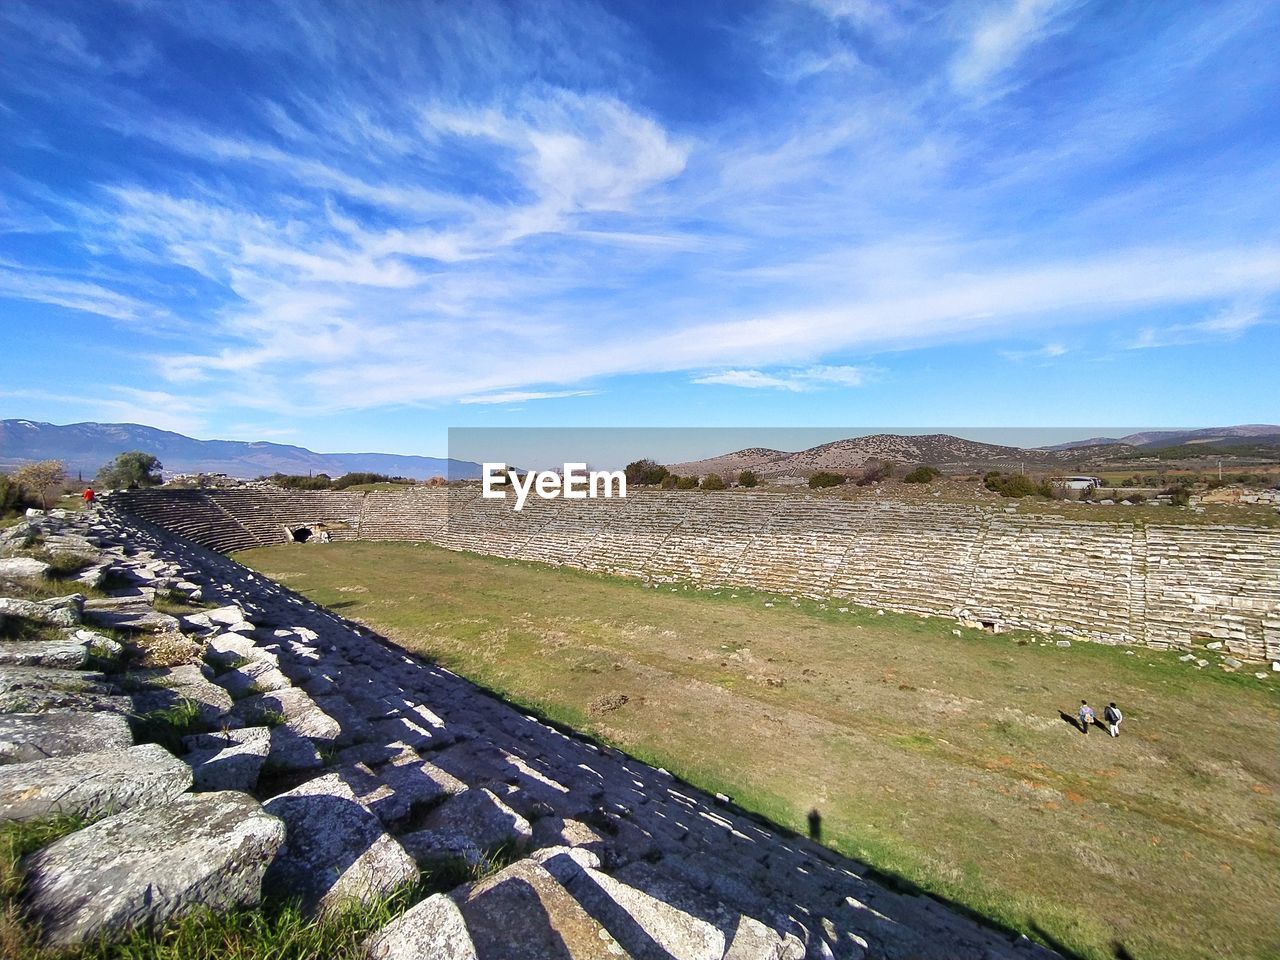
{"points": [[85, 447]]}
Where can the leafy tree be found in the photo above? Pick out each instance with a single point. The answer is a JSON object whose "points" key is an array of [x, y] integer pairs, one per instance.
{"points": [[748, 478], [12, 496], [131, 469], [686, 483], [922, 475], [645, 473], [1180, 494], [824, 478], [713, 481], [38, 479], [669, 482]]}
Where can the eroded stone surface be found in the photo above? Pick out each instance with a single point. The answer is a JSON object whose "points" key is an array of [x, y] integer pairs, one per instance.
{"points": [[229, 760], [66, 653], [433, 929], [140, 868], [482, 818], [23, 568], [91, 784], [337, 852], [37, 736], [56, 612]]}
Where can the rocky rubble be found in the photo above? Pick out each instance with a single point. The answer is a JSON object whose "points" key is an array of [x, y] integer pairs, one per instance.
{"points": [[298, 755]]}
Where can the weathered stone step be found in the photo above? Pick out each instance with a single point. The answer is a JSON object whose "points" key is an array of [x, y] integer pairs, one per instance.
{"points": [[520, 913], [25, 737], [128, 613], [337, 852], [140, 868], [229, 760], [91, 784]]}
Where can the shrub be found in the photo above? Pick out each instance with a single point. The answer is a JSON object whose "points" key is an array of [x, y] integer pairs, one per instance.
{"points": [[824, 478], [1180, 494], [669, 482], [354, 479], [713, 481], [748, 478], [874, 471], [686, 483], [12, 497], [645, 473], [922, 475], [131, 469], [320, 481], [1015, 485]]}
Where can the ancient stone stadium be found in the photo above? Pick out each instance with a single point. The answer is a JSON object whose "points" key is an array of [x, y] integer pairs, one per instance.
{"points": [[336, 766], [1116, 582]]}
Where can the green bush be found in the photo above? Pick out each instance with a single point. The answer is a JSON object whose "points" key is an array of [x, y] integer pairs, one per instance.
{"points": [[686, 483], [321, 481], [360, 477], [713, 481], [922, 475], [12, 497], [748, 478], [669, 482], [1016, 485], [1180, 494], [824, 478], [645, 473]]}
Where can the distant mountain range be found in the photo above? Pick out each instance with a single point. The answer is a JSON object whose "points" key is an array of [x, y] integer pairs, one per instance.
{"points": [[1174, 438], [945, 451], [85, 447]]}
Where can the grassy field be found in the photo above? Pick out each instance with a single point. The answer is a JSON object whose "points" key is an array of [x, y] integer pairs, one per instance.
{"points": [[938, 757]]}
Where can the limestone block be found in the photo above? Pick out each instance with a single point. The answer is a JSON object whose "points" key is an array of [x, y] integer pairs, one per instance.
{"points": [[128, 613], [336, 852], [57, 612], [482, 818], [23, 568], [434, 928], [228, 761], [36, 736], [140, 868], [90, 784]]}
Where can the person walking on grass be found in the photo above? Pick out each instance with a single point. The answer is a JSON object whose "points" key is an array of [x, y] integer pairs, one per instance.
{"points": [[1113, 716], [1086, 716]]}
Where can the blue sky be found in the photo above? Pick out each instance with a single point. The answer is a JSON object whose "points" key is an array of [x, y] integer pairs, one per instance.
{"points": [[352, 226]]}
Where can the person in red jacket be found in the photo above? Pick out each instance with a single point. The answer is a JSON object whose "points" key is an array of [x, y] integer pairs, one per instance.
{"points": [[88, 496]]}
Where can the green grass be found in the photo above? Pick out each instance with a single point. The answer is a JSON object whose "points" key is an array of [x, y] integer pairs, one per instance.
{"points": [[276, 931], [941, 760], [168, 726]]}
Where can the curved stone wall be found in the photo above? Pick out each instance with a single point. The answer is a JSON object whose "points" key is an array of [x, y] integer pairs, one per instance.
{"points": [[1117, 582]]}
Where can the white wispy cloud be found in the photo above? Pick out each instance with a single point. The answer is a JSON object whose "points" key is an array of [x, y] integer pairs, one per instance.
{"points": [[521, 396], [1228, 324], [1002, 36], [794, 381], [1049, 351]]}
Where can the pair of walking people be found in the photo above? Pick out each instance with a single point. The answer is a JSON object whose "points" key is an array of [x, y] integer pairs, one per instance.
{"points": [[1111, 714]]}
